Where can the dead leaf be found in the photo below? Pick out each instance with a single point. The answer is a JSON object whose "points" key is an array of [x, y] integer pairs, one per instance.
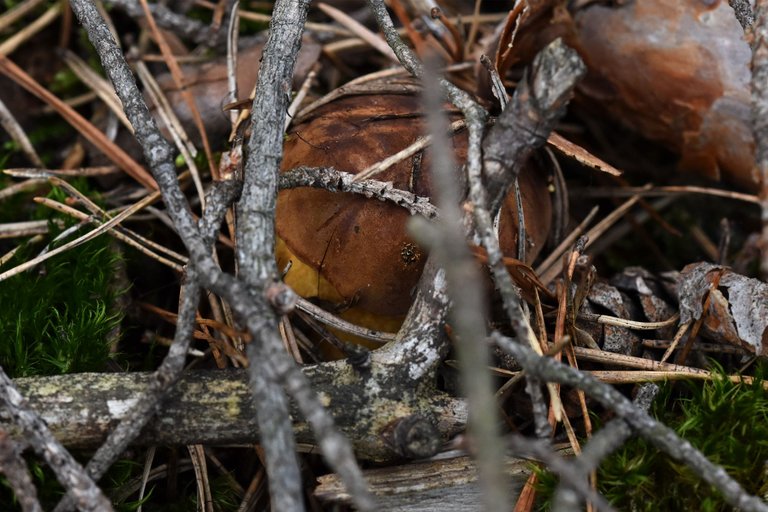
{"points": [[738, 305]]}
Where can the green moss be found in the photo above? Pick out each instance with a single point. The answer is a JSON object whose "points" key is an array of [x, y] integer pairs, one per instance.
{"points": [[59, 317], [728, 422]]}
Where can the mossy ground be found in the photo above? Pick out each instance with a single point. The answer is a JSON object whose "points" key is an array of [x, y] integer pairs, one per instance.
{"points": [[60, 316], [728, 422]]}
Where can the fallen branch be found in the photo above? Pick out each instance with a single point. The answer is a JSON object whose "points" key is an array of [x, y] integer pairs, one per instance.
{"points": [[215, 408]]}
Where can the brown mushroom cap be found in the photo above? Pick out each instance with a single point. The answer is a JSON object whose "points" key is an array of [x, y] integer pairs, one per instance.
{"points": [[676, 72], [687, 85], [359, 246]]}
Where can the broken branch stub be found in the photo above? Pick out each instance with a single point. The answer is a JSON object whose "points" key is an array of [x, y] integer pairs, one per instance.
{"points": [[540, 98]]}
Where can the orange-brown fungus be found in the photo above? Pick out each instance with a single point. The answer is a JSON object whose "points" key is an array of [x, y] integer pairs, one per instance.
{"points": [[353, 251]]}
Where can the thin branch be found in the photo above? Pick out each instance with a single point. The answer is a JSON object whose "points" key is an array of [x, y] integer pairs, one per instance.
{"points": [[194, 30], [467, 316], [760, 116], [162, 380], [606, 441], [15, 469], [271, 368], [222, 196], [655, 432], [332, 180], [536, 105], [250, 307]]}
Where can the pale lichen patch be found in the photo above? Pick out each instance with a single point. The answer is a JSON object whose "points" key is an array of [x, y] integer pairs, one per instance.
{"points": [[119, 408]]}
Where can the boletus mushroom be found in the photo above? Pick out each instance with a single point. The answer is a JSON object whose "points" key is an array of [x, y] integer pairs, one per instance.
{"points": [[351, 252], [676, 72]]}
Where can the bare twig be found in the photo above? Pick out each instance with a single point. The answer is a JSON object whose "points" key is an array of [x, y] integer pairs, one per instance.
{"points": [[467, 315], [256, 223], [657, 433], [270, 364], [760, 116], [193, 30], [338, 181], [15, 469], [606, 441]]}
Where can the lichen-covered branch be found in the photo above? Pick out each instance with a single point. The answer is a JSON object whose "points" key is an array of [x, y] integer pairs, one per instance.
{"points": [[215, 407], [744, 13]]}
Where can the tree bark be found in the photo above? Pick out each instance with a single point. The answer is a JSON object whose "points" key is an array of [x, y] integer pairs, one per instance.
{"points": [[215, 407]]}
